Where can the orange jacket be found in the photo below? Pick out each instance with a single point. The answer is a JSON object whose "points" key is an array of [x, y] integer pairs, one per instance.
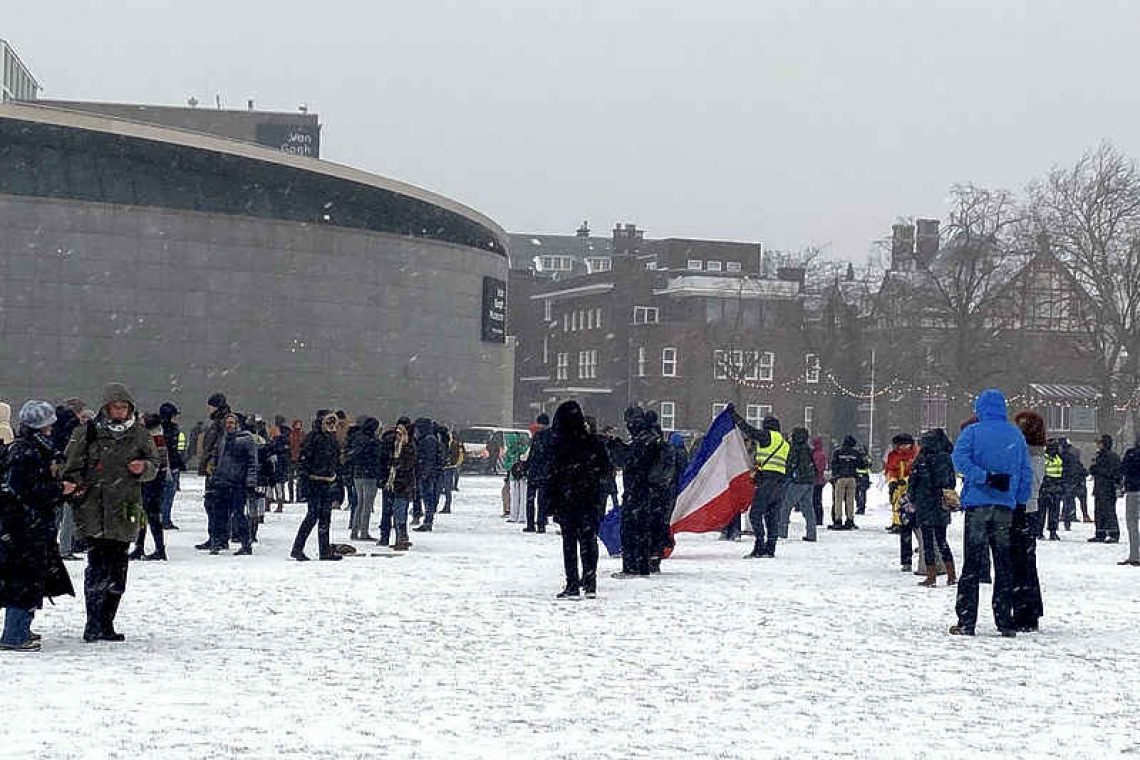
{"points": [[899, 463]]}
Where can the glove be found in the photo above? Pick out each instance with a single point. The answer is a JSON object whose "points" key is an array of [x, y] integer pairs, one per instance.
{"points": [[999, 481]]}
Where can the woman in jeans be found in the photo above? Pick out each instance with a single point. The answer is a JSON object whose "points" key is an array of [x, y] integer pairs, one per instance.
{"points": [[364, 465], [931, 473]]}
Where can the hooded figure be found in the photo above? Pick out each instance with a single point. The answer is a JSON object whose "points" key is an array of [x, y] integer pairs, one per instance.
{"points": [[644, 481], [578, 463], [108, 460], [1105, 472], [931, 475], [993, 458], [430, 459]]}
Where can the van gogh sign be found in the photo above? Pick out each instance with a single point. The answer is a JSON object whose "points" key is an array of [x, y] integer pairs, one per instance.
{"points": [[298, 139], [494, 310]]}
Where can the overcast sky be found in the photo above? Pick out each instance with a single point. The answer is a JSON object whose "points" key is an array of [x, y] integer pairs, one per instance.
{"points": [[790, 123]]}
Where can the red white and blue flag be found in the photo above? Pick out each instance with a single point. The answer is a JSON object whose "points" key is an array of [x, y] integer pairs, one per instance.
{"points": [[717, 487]]}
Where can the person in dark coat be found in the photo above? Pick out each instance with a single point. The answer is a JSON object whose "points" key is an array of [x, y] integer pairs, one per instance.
{"points": [[1075, 475], [233, 479], [217, 409], [430, 459], [319, 469], [176, 451], [933, 472], [1130, 472], [1028, 608], [1105, 471], [801, 476], [397, 475], [819, 456], [616, 448], [578, 463], [662, 494], [66, 420], [637, 511], [364, 466], [537, 473], [30, 564], [846, 462]]}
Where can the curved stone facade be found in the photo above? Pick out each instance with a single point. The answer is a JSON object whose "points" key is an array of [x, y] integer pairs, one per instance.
{"points": [[283, 315]]}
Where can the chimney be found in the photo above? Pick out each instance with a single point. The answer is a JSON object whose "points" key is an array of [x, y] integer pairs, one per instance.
{"points": [[850, 272], [627, 238], [584, 230], [902, 247], [927, 240]]}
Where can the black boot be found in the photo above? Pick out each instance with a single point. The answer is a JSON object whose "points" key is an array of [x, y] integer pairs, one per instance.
{"points": [[93, 597], [110, 609], [423, 528]]}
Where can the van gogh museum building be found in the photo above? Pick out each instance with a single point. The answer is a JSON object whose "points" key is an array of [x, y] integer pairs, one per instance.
{"points": [[144, 245]]}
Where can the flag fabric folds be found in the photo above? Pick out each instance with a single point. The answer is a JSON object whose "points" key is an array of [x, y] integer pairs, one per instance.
{"points": [[717, 486]]}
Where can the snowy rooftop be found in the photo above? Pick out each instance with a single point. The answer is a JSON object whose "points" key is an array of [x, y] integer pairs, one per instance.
{"points": [[728, 287]]}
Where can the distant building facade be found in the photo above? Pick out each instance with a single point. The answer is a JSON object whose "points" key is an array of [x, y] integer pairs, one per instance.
{"points": [[16, 80]]}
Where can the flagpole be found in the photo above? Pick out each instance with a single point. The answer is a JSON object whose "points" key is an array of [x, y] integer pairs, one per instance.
{"points": [[871, 426]]}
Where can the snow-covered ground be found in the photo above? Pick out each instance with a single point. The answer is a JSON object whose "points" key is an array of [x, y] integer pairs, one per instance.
{"points": [[459, 650]]}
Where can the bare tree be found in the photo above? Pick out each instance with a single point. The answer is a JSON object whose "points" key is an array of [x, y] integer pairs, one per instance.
{"points": [[1091, 213]]}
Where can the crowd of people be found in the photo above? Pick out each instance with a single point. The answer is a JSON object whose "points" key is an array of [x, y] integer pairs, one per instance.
{"points": [[76, 480]]}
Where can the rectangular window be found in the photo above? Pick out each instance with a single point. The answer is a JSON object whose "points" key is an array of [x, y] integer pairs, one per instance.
{"points": [[581, 364], [563, 370], [693, 264], [548, 310], [599, 265], [546, 351], [1060, 418], [641, 361], [644, 315], [809, 417], [556, 263], [668, 416], [766, 365], [589, 319], [811, 368], [714, 266], [651, 265], [733, 266], [750, 365], [587, 365], [668, 362], [933, 412], [593, 363], [1083, 419], [565, 322], [754, 414], [581, 320], [718, 408], [598, 317]]}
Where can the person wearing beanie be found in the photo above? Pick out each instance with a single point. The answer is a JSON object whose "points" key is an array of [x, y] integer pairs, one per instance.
{"points": [[896, 469], [770, 462], [537, 474], [319, 468], [31, 568], [364, 466], [107, 463], [1028, 607], [1130, 472], [177, 449], [1105, 471], [217, 410]]}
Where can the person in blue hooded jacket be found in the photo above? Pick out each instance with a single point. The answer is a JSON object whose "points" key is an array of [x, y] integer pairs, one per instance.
{"points": [[997, 476]]}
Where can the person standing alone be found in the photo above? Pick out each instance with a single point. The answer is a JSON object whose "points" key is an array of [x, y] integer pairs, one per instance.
{"points": [[1105, 471]]}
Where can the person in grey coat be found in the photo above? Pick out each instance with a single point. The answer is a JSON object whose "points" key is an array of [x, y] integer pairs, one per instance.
{"points": [[801, 474], [234, 478]]}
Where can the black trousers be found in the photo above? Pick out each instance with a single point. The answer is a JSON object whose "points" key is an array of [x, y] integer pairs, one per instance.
{"points": [[1048, 511], [580, 540], [934, 537], [1027, 605], [636, 538], [1104, 514], [536, 496], [152, 505], [817, 502], [987, 532], [765, 513], [319, 514], [861, 487], [104, 583]]}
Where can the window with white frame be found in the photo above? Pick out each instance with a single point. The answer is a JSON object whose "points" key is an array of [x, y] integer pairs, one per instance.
{"points": [[754, 414], [589, 319], [651, 265], [669, 362], [641, 361], [565, 321], [1059, 419], [766, 366], [599, 264], [644, 315], [545, 351], [811, 368], [1083, 419], [809, 417], [718, 408], [592, 364], [751, 365], [668, 416], [547, 310], [581, 320], [563, 368], [732, 266], [598, 317], [714, 266], [556, 263], [727, 365], [693, 264], [582, 364]]}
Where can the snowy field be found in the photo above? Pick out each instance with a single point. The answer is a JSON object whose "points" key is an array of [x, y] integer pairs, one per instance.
{"points": [[459, 650]]}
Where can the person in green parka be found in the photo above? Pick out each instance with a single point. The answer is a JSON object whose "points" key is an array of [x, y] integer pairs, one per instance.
{"points": [[108, 460]]}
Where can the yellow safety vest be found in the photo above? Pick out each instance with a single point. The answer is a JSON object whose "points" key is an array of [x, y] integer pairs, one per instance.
{"points": [[181, 443], [1053, 467], [774, 456]]}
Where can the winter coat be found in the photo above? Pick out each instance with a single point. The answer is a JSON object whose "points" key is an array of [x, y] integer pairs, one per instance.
{"points": [[899, 462], [6, 434], [1105, 470], [213, 433], [933, 471], [801, 463], [455, 452], [647, 474], [538, 460], [65, 423], [516, 447], [429, 451], [110, 505], [282, 455], [993, 445], [171, 433], [680, 459], [1130, 468], [819, 456], [296, 439], [320, 456], [578, 464], [30, 565], [847, 460], [1073, 472], [364, 451], [236, 461], [397, 471]]}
